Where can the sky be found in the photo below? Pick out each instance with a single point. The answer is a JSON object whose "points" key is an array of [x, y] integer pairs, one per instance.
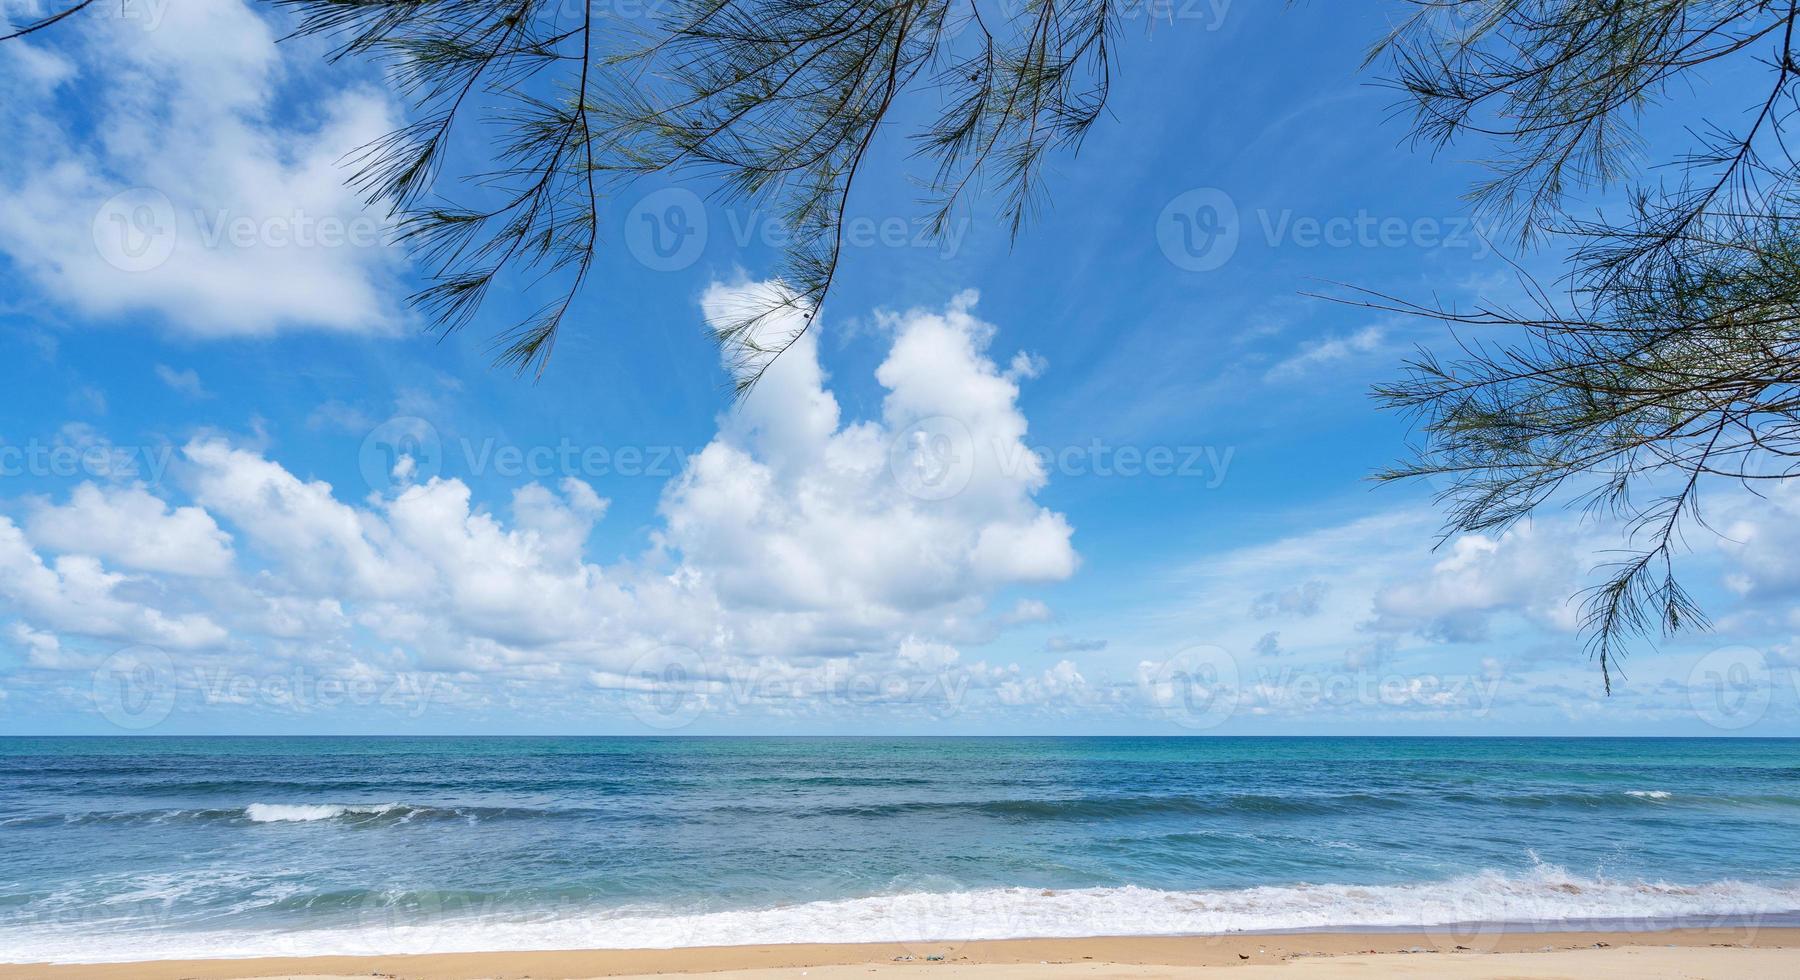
{"points": [[1110, 478]]}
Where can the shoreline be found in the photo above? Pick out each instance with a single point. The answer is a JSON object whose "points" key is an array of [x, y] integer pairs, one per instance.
{"points": [[1742, 951]]}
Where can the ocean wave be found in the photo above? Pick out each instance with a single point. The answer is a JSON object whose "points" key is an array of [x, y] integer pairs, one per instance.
{"points": [[1051, 808], [840, 781], [307, 812], [388, 813], [1098, 807], [278, 813], [1614, 799], [251, 786], [1545, 897], [1015, 810], [126, 817]]}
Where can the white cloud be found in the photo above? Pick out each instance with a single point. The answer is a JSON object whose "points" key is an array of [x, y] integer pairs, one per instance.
{"points": [[791, 551], [789, 508], [523, 586], [1367, 601], [1026, 366], [1520, 572], [1761, 534], [42, 70], [319, 543], [76, 594], [1299, 600], [230, 223], [186, 381], [42, 648], [1315, 353], [1070, 644], [89, 399], [1028, 611], [134, 529], [334, 415], [1060, 682], [561, 524]]}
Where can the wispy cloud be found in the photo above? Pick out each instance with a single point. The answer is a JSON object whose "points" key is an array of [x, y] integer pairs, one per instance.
{"points": [[185, 381], [1317, 353]]}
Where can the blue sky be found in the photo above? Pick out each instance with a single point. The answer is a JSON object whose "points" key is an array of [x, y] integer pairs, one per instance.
{"points": [[1106, 478]]}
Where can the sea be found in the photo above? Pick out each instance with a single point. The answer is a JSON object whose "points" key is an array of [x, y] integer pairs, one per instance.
{"points": [[159, 847]]}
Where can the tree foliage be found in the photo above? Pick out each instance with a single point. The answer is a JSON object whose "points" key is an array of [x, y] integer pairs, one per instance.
{"points": [[777, 102], [1669, 357]]}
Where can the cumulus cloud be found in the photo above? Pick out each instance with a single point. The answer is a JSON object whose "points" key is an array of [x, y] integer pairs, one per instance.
{"points": [[1061, 682], [1355, 606], [182, 195], [134, 529], [1301, 600], [42, 648], [791, 508], [795, 546], [76, 594], [1267, 645], [316, 541], [1028, 611], [1762, 537], [1519, 572]]}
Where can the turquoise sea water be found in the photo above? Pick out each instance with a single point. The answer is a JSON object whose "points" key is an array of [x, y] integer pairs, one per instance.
{"points": [[125, 848]]}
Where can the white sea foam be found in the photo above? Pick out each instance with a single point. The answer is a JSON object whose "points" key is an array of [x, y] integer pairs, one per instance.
{"points": [[1548, 895], [301, 812], [1648, 794]]}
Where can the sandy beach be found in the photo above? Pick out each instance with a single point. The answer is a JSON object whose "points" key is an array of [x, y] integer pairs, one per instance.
{"points": [[1687, 953]]}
